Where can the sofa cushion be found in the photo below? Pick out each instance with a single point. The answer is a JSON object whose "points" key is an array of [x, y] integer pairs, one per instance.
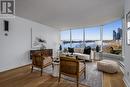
{"points": [[78, 50], [82, 56]]}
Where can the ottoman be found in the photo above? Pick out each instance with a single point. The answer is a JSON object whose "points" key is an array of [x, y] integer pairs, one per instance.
{"points": [[108, 66]]}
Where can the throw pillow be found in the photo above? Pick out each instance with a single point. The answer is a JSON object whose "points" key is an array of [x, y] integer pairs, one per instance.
{"points": [[70, 50], [87, 50]]}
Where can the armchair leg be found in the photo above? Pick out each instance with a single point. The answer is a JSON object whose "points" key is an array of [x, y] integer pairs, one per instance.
{"points": [[84, 74], [41, 71], [77, 81], [59, 77], [32, 69]]}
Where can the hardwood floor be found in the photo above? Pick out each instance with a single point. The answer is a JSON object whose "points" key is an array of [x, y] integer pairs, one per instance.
{"points": [[113, 80], [21, 77]]}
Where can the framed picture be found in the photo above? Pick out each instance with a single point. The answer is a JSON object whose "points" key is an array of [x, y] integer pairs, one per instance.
{"points": [[128, 37], [128, 20], [37, 38]]}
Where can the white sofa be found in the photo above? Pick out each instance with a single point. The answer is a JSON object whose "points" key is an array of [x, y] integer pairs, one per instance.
{"points": [[79, 53]]}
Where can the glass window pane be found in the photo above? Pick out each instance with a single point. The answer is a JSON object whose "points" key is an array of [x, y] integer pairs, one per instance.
{"points": [[65, 38], [92, 37], [92, 33], [65, 35], [77, 38], [112, 34]]}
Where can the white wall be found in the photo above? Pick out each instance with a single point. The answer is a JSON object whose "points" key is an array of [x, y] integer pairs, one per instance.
{"points": [[14, 48], [127, 48]]}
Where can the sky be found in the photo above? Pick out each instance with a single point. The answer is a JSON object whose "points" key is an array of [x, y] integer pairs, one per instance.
{"points": [[93, 33]]}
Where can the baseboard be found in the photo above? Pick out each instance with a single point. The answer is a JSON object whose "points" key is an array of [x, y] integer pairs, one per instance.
{"points": [[126, 82], [122, 68], [15, 68]]}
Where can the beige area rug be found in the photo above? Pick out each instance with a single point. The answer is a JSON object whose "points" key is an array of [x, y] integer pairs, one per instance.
{"points": [[93, 79], [53, 82]]}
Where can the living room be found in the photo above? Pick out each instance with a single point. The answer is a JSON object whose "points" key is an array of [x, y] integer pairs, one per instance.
{"points": [[57, 25]]}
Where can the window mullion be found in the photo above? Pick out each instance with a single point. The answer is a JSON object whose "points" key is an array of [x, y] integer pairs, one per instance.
{"points": [[70, 38], [84, 37], [101, 36]]}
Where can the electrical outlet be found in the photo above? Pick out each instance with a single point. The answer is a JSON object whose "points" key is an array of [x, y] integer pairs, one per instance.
{"points": [[128, 73]]}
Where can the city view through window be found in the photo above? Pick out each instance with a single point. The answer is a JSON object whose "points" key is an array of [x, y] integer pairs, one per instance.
{"points": [[108, 37]]}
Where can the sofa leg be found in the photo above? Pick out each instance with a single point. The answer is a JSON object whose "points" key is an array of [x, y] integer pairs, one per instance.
{"points": [[41, 71]]}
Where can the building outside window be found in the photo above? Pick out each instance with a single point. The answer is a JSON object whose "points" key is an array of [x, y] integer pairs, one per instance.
{"points": [[112, 37]]}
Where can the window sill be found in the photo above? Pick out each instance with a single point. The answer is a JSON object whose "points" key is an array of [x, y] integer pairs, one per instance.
{"points": [[111, 56]]}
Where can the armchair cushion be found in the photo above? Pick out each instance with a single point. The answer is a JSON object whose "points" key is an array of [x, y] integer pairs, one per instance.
{"points": [[47, 60]]}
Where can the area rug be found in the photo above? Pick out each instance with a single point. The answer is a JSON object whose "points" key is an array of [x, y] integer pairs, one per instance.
{"points": [[53, 82], [93, 79]]}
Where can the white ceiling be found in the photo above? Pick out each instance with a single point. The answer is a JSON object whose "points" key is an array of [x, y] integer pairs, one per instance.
{"points": [[70, 13]]}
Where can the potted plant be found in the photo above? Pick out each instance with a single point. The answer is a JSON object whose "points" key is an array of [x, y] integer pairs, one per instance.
{"points": [[60, 48]]}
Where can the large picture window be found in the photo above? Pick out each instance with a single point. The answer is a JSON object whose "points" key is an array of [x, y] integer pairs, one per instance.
{"points": [[108, 37]]}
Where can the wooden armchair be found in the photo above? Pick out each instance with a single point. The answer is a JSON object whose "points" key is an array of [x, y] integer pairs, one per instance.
{"points": [[72, 67], [40, 60]]}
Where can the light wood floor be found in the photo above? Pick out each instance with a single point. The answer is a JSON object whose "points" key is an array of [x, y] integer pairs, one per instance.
{"points": [[113, 80], [21, 77]]}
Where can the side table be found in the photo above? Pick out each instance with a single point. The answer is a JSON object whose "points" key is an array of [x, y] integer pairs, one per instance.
{"points": [[56, 69]]}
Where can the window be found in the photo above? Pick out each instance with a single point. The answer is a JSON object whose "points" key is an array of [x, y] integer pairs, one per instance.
{"points": [[92, 37], [65, 39], [77, 38], [112, 35]]}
